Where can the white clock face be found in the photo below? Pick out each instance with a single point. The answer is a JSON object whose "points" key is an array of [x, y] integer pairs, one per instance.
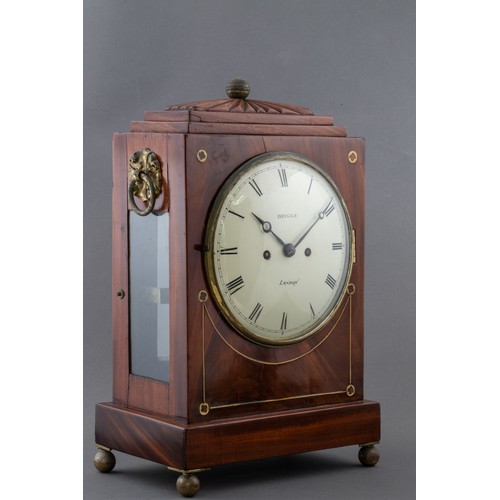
{"points": [[278, 246]]}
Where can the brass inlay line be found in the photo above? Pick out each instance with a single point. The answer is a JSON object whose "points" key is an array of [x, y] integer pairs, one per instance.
{"points": [[203, 297], [277, 399], [275, 363], [350, 291], [204, 407]]}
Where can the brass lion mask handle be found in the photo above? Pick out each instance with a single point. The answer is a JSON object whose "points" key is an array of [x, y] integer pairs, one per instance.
{"points": [[145, 180]]}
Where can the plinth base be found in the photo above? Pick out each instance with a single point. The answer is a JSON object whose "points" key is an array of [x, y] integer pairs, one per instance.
{"points": [[188, 447]]}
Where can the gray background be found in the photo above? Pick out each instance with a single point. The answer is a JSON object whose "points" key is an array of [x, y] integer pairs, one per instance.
{"points": [[354, 60]]}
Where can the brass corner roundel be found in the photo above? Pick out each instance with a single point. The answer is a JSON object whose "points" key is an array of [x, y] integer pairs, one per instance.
{"points": [[352, 157]]}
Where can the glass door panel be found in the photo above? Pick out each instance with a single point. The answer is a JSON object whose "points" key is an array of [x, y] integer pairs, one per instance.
{"points": [[149, 296]]}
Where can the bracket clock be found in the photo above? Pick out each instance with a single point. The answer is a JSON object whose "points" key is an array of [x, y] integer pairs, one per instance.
{"points": [[238, 243]]}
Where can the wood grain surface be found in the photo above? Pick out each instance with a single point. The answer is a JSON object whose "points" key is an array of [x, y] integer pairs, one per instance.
{"points": [[188, 447]]}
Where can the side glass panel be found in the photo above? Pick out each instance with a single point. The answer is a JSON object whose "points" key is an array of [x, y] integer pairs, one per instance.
{"points": [[149, 296]]}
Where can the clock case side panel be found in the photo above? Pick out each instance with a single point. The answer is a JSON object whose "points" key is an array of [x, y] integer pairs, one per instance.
{"points": [[238, 386], [120, 318], [143, 393], [178, 278]]}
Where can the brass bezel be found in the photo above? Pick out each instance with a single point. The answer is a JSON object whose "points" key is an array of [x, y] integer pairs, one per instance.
{"points": [[210, 232]]}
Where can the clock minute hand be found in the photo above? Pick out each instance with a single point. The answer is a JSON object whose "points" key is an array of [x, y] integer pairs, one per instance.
{"points": [[306, 233], [321, 215]]}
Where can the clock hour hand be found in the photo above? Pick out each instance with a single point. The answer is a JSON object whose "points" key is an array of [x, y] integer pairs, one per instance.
{"points": [[321, 215], [267, 228]]}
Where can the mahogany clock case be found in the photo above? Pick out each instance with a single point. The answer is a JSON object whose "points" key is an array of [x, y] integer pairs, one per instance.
{"points": [[225, 390]]}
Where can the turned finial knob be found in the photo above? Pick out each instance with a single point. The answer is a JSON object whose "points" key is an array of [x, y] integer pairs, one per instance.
{"points": [[237, 88]]}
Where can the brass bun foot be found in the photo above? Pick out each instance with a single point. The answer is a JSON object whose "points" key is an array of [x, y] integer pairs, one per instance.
{"points": [[104, 460], [188, 484], [368, 455]]}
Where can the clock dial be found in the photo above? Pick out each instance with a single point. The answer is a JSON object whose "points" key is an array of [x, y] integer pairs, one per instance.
{"points": [[279, 248]]}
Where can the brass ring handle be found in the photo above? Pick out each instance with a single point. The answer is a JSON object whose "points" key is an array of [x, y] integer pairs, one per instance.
{"points": [[145, 180], [152, 197]]}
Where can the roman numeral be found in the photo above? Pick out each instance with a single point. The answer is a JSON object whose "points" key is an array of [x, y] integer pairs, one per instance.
{"points": [[255, 187], [312, 310], [330, 281], [229, 251], [283, 321], [328, 209], [254, 315], [336, 246], [235, 285], [283, 178], [237, 215]]}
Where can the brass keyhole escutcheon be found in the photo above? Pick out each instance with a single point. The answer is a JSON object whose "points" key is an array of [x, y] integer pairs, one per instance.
{"points": [[352, 157]]}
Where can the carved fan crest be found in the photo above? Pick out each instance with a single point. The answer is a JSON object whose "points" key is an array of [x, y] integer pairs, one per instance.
{"points": [[242, 106]]}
